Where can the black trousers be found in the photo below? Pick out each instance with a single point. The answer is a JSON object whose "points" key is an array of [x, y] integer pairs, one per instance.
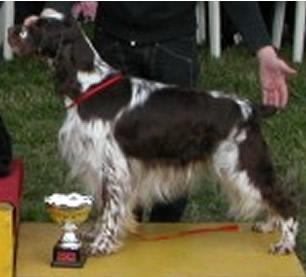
{"points": [[173, 62]]}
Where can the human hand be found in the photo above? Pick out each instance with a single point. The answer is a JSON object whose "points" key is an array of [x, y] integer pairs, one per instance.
{"points": [[87, 9], [28, 21], [273, 73]]}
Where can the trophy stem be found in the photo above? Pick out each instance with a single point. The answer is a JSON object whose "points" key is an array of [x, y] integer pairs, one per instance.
{"points": [[69, 239]]}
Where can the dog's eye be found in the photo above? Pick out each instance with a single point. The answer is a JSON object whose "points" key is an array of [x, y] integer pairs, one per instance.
{"points": [[23, 33]]}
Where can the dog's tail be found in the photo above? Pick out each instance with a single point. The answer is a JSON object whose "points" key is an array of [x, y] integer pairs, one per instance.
{"points": [[265, 111]]}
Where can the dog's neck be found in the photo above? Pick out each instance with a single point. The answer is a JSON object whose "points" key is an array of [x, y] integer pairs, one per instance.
{"points": [[100, 72]]}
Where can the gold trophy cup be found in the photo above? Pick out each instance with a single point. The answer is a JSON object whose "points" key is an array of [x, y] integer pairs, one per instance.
{"points": [[68, 210]]}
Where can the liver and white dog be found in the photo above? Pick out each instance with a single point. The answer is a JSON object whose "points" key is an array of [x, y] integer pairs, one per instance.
{"points": [[133, 141]]}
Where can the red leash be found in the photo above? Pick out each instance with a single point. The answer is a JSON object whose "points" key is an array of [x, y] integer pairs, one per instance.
{"points": [[225, 228], [96, 89]]}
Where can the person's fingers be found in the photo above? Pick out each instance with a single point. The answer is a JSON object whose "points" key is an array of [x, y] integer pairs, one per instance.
{"points": [[283, 88], [274, 98], [285, 68], [278, 98], [284, 94], [267, 88], [266, 95], [270, 97], [30, 20]]}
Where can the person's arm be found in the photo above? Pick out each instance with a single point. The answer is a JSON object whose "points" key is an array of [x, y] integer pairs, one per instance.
{"points": [[248, 20], [273, 71]]}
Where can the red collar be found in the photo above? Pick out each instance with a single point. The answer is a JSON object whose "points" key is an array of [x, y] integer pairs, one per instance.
{"points": [[93, 90]]}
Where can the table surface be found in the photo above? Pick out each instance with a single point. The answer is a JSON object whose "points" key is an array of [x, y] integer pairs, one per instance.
{"points": [[237, 253]]}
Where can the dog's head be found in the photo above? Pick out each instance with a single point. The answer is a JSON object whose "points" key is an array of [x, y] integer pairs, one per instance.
{"points": [[55, 39]]}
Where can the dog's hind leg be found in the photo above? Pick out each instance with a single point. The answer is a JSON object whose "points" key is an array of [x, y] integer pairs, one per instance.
{"points": [[284, 218], [245, 198], [254, 158], [244, 166]]}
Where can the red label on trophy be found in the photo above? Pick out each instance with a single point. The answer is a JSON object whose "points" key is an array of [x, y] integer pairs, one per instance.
{"points": [[65, 256]]}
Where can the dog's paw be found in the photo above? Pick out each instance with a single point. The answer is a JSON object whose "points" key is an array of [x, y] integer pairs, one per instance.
{"points": [[262, 227], [282, 248], [257, 227], [88, 234], [272, 223], [103, 246]]}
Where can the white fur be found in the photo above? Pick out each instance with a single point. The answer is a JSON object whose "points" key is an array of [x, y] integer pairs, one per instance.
{"points": [[289, 229], [245, 199], [142, 89], [87, 79], [24, 33]]}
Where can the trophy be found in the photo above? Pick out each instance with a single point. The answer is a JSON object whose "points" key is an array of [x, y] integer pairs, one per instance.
{"points": [[69, 210]]}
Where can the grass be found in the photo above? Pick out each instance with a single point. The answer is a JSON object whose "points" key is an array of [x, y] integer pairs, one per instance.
{"points": [[34, 114]]}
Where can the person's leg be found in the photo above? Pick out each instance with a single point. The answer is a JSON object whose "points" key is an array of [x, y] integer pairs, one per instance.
{"points": [[171, 212]]}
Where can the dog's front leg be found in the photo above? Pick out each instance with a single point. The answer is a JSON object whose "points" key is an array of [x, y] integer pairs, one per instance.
{"points": [[112, 224]]}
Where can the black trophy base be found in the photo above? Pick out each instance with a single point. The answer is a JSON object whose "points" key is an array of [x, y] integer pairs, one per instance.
{"points": [[65, 257]]}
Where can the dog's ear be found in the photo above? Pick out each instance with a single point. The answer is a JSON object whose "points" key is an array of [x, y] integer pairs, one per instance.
{"points": [[81, 54], [65, 36], [66, 72], [49, 34]]}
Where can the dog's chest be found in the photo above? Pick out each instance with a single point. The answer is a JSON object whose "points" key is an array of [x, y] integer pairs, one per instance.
{"points": [[80, 140]]}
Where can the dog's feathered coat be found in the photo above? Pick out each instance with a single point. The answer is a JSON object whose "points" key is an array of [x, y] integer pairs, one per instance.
{"points": [[141, 141]]}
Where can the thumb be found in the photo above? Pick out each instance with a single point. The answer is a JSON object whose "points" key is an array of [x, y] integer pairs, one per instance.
{"points": [[286, 69]]}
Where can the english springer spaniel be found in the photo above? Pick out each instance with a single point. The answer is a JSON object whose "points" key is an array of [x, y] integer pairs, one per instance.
{"points": [[132, 141]]}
